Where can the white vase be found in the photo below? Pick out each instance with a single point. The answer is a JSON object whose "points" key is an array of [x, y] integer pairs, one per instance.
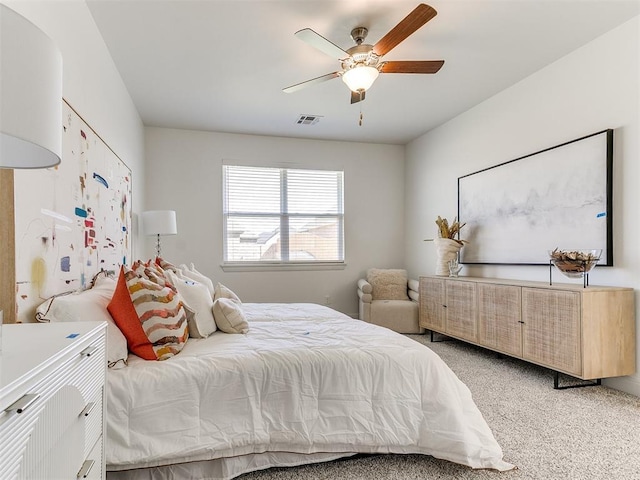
{"points": [[447, 250]]}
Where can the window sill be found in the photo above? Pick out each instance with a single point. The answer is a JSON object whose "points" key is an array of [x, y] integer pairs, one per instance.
{"points": [[280, 267]]}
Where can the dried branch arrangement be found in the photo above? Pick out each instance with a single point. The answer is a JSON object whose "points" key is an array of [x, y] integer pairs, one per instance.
{"points": [[449, 231]]}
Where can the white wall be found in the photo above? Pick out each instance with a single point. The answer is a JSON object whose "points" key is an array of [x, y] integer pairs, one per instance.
{"points": [[594, 88], [91, 82], [184, 173]]}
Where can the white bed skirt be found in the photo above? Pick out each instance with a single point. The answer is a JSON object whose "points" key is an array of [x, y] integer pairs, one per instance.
{"points": [[225, 468]]}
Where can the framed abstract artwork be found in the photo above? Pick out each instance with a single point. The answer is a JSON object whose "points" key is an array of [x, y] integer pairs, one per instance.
{"points": [[72, 220], [560, 197]]}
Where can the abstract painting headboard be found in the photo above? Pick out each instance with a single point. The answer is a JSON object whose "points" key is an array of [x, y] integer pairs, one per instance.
{"points": [[71, 221]]}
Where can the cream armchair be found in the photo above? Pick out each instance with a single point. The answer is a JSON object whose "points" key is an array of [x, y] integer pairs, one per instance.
{"points": [[396, 310]]}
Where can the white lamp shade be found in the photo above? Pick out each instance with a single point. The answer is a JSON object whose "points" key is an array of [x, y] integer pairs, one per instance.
{"points": [[360, 77], [159, 222], [30, 95]]}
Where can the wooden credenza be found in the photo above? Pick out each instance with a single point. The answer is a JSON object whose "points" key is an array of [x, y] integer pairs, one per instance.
{"points": [[52, 401], [588, 333]]}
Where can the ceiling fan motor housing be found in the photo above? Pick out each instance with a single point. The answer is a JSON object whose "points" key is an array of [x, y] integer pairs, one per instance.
{"points": [[360, 55]]}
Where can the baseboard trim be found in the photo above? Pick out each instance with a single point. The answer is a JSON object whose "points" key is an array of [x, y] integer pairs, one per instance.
{"points": [[629, 384]]}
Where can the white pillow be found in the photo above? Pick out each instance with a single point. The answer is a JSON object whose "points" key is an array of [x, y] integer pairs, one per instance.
{"points": [[206, 280], [89, 305], [193, 274], [224, 292], [229, 316], [197, 297]]}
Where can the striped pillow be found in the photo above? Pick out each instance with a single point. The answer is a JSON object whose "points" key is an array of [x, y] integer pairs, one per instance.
{"points": [[162, 263], [152, 317], [152, 271]]}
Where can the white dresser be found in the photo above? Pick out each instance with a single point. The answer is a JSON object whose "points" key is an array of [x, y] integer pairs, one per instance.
{"points": [[52, 380]]}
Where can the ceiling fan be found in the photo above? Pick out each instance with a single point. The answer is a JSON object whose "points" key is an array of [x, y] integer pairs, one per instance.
{"points": [[362, 63]]}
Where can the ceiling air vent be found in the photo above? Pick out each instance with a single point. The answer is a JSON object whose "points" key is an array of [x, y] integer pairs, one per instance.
{"points": [[308, 119]]}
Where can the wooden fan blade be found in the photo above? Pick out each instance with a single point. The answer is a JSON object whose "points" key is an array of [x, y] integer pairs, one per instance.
{"points": [[357, 96], [412, 22], [411, 66], [313, 81], [318, 41]]}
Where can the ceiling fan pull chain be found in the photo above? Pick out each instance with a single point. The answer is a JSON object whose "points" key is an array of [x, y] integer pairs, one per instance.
{"points": [[360, 120]]}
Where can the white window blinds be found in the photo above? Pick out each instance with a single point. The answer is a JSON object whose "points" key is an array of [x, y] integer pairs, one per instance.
{"points": [[283, 215]]}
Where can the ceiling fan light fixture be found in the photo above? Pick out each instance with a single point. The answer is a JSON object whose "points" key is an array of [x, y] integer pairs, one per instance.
{"points": [[360, 78], [362, 63]]}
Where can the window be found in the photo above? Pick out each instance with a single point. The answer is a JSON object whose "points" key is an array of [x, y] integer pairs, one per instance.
{"points": [[282, 215]]}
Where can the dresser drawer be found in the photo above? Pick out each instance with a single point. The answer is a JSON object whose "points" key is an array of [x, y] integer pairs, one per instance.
{"points": [[94, 468], [92, 418]]}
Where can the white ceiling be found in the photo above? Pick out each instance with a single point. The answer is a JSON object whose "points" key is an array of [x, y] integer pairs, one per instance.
{"points": [[221, 65]]}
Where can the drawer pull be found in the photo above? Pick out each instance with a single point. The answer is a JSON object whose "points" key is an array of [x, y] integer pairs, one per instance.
{"points": [[23, 403], [87, 410], [86, 468], [88, 351]]}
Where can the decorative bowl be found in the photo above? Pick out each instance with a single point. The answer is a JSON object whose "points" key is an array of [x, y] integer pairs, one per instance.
{"points": [[575, 263]]}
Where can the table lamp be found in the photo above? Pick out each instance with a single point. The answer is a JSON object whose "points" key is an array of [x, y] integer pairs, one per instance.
{"points": [[159, 222]]}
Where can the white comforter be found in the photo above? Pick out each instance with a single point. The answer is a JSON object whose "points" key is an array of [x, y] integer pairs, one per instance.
{"points": [[304, 379]]}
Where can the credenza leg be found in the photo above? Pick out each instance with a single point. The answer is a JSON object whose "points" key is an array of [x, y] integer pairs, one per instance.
{"points": [[443, 338], [556, 383]]}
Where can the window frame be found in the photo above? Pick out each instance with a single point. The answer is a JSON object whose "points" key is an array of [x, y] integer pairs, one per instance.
{"points": [[284, 216]]}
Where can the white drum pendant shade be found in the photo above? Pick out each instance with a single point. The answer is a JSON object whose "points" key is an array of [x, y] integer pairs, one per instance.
{"points": [[30, 95]]}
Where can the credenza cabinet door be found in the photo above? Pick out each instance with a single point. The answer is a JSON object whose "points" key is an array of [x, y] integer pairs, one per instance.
{"points": [[460, 301], [499, 318], [432, 303], [551, 329]]}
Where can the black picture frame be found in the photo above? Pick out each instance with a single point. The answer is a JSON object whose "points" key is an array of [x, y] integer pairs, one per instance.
{"points": [[560, 197]]}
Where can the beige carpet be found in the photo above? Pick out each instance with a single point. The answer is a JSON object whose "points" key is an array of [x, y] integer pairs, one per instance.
{"points": [[577, 434]]}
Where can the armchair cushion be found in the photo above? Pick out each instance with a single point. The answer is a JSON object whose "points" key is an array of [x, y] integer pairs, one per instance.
{"points": [[398, 315], [388, 284]]}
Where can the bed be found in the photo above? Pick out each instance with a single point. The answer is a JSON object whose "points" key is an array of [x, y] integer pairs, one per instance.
{"points": [[304, 384]]}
